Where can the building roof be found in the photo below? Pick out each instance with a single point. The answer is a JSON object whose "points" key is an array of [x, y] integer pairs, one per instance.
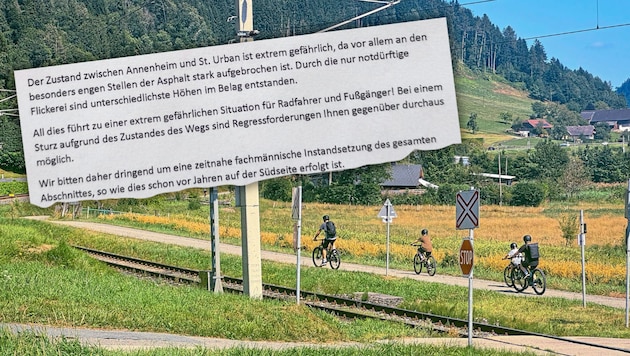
{"points": [[587, 115], [586, 131], [614, 115], [496, 176], [535, 122], [404, 176]]}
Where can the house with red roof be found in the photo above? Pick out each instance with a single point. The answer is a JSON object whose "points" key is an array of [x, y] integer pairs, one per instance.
{"points": [[534, 125]]}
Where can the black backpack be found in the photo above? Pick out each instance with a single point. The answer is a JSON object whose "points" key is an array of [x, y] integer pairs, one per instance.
{"points": [[533, 254], [331, 230]]}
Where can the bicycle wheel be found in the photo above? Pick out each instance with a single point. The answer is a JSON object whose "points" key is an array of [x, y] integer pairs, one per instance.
{"points": [[317, 256], [539, 281], [417, 263], [519, 280], [431, 266], [334, 259], [507, 276]]}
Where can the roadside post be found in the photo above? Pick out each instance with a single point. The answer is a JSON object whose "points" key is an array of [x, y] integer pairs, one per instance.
{"points": [[215, 282], [627, 213], [387, 213], [467, 217], [582, 243], [296, 214]]}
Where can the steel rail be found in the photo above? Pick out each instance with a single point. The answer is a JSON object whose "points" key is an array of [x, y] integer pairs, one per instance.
{"points": [[410, 317]]}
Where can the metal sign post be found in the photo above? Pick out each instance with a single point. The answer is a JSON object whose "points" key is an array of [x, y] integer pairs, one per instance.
{"points": [[215, 281], [627, 251], [387, 213], [467, 217], [296, 214], [467, 262], [582, 243]]}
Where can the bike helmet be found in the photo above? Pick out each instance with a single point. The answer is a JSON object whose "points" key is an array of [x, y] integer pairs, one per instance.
{"points": [[326, 217], [424, 232], [527, 238], [513, 245]]}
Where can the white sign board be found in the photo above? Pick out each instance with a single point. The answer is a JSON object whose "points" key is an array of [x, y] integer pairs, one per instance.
{"points": [[236, 114], [387, 212], [467, 209]]}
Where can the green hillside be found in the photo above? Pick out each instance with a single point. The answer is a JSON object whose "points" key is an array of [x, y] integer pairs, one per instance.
{"points": [[489, 96]]}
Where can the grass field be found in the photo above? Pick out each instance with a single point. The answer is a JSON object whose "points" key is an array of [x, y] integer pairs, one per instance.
{"points": [[488, 96], [45, 281], [363, 236]]}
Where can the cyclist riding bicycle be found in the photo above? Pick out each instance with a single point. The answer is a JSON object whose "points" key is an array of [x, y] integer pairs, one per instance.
{"points": [[531, 255], [330, 235], [514, 255], [426, 246]]}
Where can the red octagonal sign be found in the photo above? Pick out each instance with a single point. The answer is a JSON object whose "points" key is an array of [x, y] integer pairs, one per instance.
{"points": [[466, 257]]}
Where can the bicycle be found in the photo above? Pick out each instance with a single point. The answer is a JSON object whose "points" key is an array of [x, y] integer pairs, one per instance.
{"points": [[424, 260], [333, 255], [536, 280], [507, 272]]}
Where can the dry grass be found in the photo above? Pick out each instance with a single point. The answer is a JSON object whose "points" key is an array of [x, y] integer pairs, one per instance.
{"points": [[363, 234]]}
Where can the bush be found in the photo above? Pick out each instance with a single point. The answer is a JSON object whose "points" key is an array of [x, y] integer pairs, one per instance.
{"points": [[405, 199], [527, 194], [278, 189], [14, 187], [444, 195], [194, 203]]}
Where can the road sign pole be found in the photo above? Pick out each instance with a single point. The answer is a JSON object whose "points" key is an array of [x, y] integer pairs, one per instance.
{"points": [[387, 213], [297, 208], [467, 217], [627, 213], [215, 282], [387, 254], [582, 243], [471, 233]]}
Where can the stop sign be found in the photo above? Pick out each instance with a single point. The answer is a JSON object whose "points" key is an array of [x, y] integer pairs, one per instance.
{"points": [[466, 257]]}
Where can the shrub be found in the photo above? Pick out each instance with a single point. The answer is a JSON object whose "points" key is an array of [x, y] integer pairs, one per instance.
{"points": [[13, 187], [194, 203], [278, 189], [569, 227], [527, 194]]}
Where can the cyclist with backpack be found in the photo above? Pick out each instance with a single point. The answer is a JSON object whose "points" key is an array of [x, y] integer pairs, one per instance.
{"points": [[530, 255], [330, 235]]}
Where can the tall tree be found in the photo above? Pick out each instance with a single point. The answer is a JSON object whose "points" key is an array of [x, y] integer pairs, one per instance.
{"points": [[575, 177], [550, 162], [472, 122]]}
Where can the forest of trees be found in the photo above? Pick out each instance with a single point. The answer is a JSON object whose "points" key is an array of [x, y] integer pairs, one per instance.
{"points": [[40, 33]]}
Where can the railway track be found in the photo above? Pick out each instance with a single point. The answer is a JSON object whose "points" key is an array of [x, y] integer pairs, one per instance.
{"points": [[7, 199], [337, 305]]}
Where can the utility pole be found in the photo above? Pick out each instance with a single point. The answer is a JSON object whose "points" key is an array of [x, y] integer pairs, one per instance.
{"points": [[247, 197], [500, 187]]}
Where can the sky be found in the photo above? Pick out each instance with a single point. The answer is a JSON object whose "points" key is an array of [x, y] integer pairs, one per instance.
{"points": [[605, 52]]}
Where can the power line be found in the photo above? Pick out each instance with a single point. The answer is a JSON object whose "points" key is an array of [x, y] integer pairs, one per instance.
{"points": [[578, 31], [309, 28]]}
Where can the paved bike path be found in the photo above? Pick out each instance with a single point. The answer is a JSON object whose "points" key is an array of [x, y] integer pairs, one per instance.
{"points": [[306, 261], [136, 340]]}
